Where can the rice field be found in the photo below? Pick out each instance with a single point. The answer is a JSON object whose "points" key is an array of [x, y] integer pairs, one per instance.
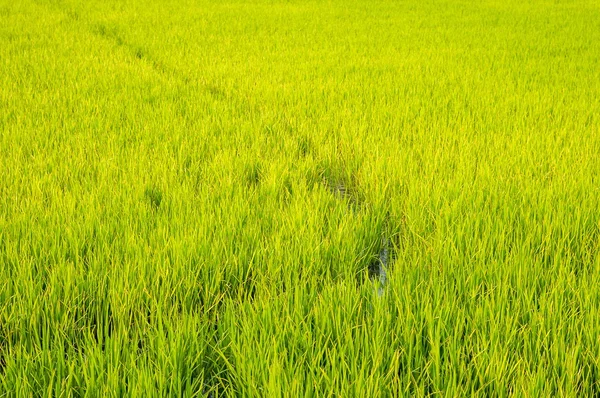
{"points": [[359, 198]]}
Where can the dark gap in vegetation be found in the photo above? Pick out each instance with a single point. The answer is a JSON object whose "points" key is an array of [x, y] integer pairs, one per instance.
{"points": [[341, 182], [41, 271], [80, 320], [216, 91], [105, 32], [381, 252], [87, 251], [3, 349], [343, 190], [378, 266], [139, 53], [72, 14], [485, 386], [209, 309], [102, 326], [583, 252], [305, 146], [253, 175], [154, 197], [286, 191], [4, 11], [217, 372]]}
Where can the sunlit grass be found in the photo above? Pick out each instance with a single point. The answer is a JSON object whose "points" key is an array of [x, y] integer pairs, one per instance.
{"points": [[197, 198]]}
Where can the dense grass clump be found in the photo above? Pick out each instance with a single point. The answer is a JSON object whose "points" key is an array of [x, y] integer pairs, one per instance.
{"points": [[299, 198]]}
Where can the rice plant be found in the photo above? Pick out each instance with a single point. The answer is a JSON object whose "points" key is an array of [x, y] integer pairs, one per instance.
{"points": [[299, 198]]}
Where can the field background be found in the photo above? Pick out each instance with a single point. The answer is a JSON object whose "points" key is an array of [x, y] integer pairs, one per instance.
{"points": [[192, 193]]}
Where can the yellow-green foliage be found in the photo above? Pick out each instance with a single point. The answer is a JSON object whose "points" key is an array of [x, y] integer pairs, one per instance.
{"points": [[193, 194]]}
